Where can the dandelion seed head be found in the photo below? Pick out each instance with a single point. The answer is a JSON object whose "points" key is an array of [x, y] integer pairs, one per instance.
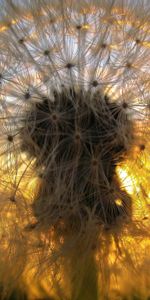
{"points": [[74, 140]]}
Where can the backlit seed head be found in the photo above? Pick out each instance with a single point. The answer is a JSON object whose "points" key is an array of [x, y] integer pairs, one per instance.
{"points": [[74, 143]]}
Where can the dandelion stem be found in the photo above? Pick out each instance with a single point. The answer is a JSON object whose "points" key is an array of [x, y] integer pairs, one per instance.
{"points": [[89, 286]]}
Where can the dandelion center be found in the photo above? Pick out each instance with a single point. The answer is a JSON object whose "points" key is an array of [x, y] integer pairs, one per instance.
{"points": [[72, 134]]}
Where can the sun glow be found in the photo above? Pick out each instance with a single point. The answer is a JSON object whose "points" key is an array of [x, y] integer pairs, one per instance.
{"points": [[126, 180]]}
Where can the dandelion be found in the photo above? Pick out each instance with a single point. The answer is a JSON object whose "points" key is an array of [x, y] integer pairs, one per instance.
{"points": [[74, 147]]}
